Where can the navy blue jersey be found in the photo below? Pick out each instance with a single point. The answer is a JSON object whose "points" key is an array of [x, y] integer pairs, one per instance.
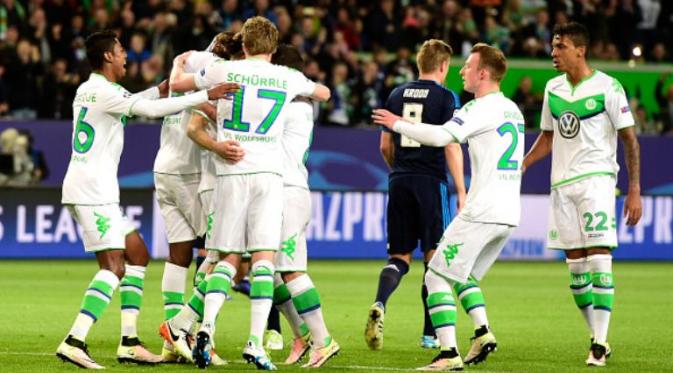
{"points": [[427, 102]]}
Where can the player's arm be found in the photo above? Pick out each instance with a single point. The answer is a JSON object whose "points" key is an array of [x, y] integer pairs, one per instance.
{"points": [[617, 108], [540, 149], [387, 147], [426, 134], [179, 80], [196, 130], [166, 106], [543, 144], [632, 206], [321, 93], [454, 160]]}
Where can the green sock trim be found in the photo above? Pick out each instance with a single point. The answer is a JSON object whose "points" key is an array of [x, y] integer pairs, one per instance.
{"points": [[196, 300], [223, 269], [440, 299], [602, 279], [102, 286], [133, 281], [583, 300], [307, 301], [281, 294], [443, 318], [261, 289], [261, 270], [217, 284], [303, 329], [94, 306]]}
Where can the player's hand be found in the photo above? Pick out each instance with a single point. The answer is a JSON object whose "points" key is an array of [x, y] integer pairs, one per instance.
{"points": [[633, 209], [384, 118], [163, 88], [230, 150], [222, 90]]}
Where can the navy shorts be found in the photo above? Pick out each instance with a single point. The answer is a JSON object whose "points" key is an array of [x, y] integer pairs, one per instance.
{"points": [[418, 210]]}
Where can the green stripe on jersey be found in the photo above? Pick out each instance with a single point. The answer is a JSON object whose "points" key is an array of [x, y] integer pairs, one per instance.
{"points": [[583, 108]]}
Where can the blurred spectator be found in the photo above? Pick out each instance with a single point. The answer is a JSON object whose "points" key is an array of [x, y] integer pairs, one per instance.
{"points": [[59, 87], [368, 91], [329, 33], [40, 170], [529, 102], [644, 123], [137, 52], [22, 74], [4, 105], [339, 107]]}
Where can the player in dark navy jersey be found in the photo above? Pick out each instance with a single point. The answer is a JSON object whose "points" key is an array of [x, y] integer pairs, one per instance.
{"points": [[418, 205]]}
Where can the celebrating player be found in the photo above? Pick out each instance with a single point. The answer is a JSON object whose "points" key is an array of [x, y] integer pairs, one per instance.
{"points": [[294, 294], [583, 112], [493, 126], [248, 194], [418, 204], [91, 193]]}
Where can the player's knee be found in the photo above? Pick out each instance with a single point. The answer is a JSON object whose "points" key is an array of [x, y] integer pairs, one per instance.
{"points": [[117, 268]]}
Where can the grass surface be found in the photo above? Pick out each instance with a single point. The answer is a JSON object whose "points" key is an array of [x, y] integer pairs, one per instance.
{"points": [[529, 306]]}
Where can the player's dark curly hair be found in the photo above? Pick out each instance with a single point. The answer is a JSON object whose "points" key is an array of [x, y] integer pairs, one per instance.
{"points": [[574, 31], [288, 55], [97, 44]]}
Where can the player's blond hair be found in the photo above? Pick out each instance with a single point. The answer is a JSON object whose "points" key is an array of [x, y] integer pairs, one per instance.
{"points": [[491, 58], [260, 36], [432, 54]]}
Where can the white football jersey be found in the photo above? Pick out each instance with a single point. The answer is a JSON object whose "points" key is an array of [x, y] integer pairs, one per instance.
{"points": [[296, 142], [178, 154], [585, 120], [493, 127], [100, 112], [256, 117]]}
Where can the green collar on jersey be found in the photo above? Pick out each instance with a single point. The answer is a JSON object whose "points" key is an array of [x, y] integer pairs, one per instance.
{"points": [[584, 108], [573, 88]]}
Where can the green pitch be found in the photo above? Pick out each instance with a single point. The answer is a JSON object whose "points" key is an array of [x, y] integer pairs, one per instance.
{"points": [[529, 306]]}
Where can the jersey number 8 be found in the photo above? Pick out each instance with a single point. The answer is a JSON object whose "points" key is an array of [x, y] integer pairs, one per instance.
{"points": [[411, 112]]}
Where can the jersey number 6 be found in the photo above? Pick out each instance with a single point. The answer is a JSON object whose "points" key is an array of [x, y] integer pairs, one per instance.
{"points": [[84, 133]]}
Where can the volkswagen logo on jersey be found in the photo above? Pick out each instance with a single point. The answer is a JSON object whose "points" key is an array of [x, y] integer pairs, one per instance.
{"points": [[569, 125]]}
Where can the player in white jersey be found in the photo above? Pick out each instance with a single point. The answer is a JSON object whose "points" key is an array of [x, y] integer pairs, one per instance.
{"points": [[294, 294], [91, 193], [176, 330], [248, 194], [583, 112], [179, 180], [494, 128]]}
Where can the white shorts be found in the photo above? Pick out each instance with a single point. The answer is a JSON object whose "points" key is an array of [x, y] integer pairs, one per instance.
{"points": [[206, 198], [582, 214], [180, 206], [469, 248], [296, 215], [248, 213], [104, 227]]}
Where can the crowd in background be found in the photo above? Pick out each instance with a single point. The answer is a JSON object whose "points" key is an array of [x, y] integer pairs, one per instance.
{"points": [[361, 49]]}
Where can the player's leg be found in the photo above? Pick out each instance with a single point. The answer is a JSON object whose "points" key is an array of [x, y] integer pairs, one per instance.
{"points": [[131, 289], [264, 222], [471, 297], [282, 300], [403, 236], [229, 205], [103, 234], [563, 234], [597, 207], [435, 215], [180, 242]]}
